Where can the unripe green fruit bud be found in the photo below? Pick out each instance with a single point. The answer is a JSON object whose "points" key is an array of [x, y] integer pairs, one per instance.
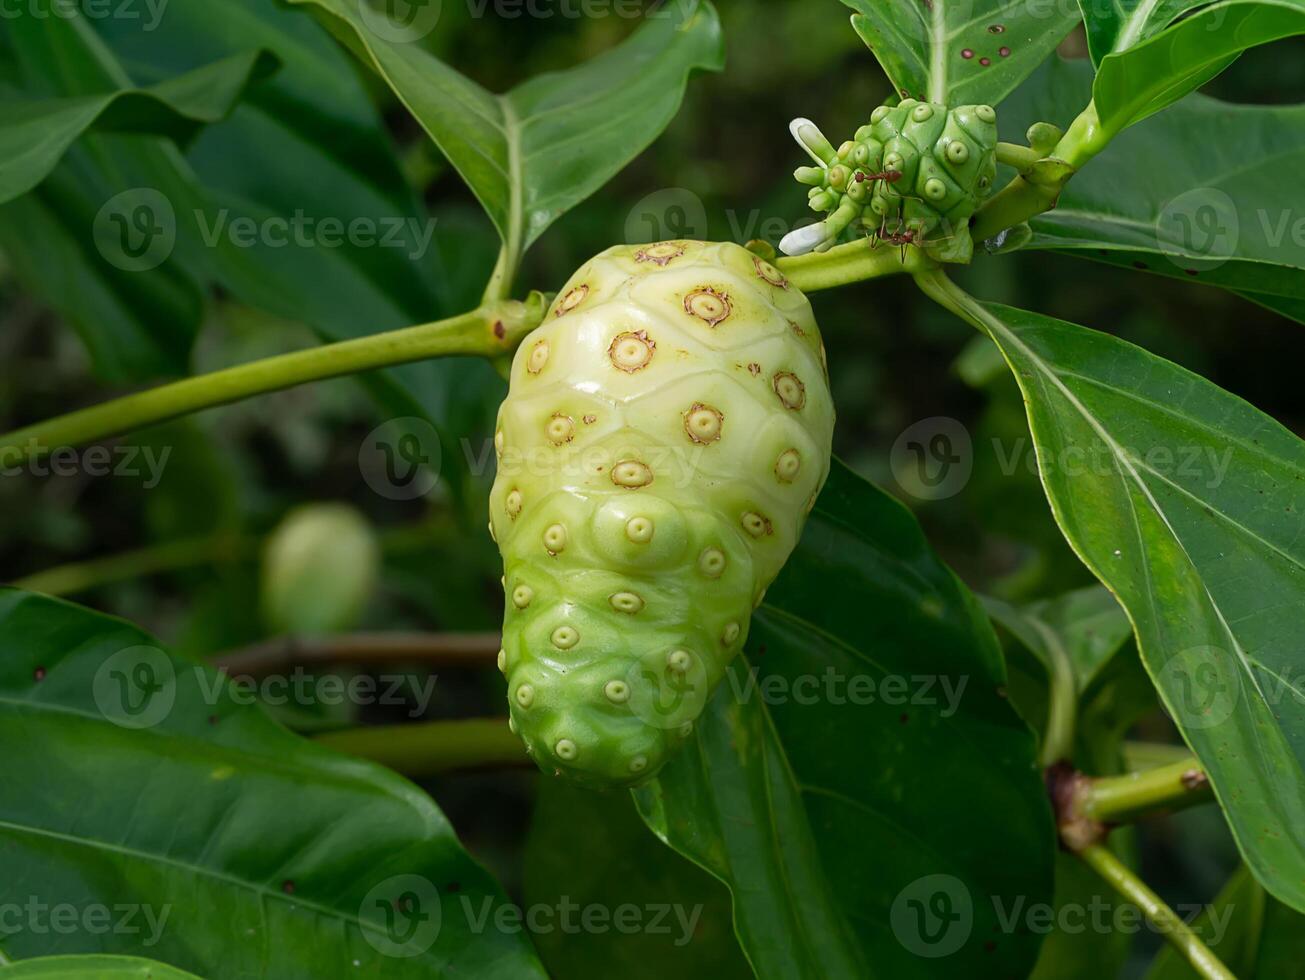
{"points": [[638, 536], [320, 567]]}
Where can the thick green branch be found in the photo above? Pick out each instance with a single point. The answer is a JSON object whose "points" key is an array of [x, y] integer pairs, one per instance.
{"points": [[432, 748], [854, 262], [1161, 916], [490, 331], [1119, 799]]}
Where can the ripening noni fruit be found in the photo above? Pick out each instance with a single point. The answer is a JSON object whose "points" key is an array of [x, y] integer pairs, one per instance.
{"points": [[667, 431]]}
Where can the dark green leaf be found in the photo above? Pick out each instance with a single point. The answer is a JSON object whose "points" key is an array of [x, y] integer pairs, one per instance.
{"points": [[960, 52], [246, 850], [1149, 55], [1187, 503], [673, 918], [860, 780], [1219, 212], [532, 154], [35, 134]]}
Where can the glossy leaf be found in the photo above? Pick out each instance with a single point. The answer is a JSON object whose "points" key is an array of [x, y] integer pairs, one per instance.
{"points": [[245, 850], [1215, 212], [1149, 55], [93, 967], [34, 134], [673, 918], [535, 152], [859, 780], [960, 52], [1187, 503]]}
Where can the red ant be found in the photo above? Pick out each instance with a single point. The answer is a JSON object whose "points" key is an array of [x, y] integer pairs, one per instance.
{"points": [[890, 176]]}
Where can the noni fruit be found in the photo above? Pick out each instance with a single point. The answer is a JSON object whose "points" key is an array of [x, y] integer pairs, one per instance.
{"points": [[667, 431], [914, 175]]}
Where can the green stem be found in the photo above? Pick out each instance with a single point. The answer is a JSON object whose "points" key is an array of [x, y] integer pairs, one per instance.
{"points": [[499, 286], [1062, 708], [1161, 916], [170, 556], [1022, 158], [845, 264], [490, 331], [431, 748], [936, 284], [1120, 799]]}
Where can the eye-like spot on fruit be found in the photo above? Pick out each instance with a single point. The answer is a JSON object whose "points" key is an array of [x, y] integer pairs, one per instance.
{"points": [[522, 596], [631, 474], [986, 113], [957, 152], [680, 661], [618, 692], [639, 763], [525, 695], [555, 539], [499, 443], [502, 661], [631, 351], [703, 423], [708, 305], [788, 465], [565, 637], [985, 182], [769, 273], [894, 161], [712, 563], [754, 369], [791, 391], [922, 113], [538, 357], [512, 504], [731, 634], [560, 429], [935, 189], [589, 419], [565, 749], [661, 254], [626, 602], [572, 299], [639, 530], [796, 328], [756, 525]]}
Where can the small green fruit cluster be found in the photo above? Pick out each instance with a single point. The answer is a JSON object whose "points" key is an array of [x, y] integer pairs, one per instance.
{"points": [[666, 433], [914, 175]]}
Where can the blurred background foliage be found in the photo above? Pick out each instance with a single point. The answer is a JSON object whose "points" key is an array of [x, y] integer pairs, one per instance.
{"points": [[722, 171]]}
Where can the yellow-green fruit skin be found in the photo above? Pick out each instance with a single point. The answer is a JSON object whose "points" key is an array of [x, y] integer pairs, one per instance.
{"points": [[666, 433]]}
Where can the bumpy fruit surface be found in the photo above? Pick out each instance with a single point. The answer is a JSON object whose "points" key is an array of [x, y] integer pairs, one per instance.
{"points": [[667, 431], [915, 174]]}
